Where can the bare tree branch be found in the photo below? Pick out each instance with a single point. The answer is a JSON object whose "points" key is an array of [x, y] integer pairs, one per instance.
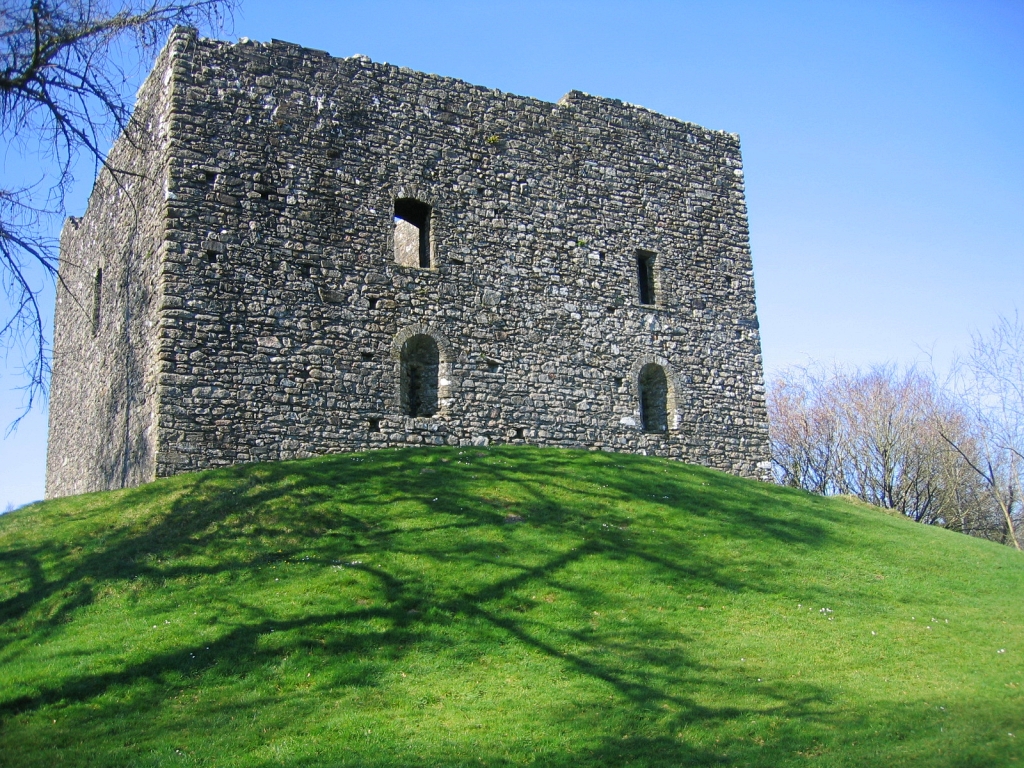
{"points": [[898, 440], [67, 68]]}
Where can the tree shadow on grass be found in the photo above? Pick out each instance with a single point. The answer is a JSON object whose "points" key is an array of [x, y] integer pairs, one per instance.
{"points": [[448, 512]]}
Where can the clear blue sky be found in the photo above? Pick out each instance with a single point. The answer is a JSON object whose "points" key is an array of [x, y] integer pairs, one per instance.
{"points": [[883, 145]]}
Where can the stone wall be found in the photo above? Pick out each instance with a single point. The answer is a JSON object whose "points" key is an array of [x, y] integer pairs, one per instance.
{"points": [[103, 389], [285, 304]]}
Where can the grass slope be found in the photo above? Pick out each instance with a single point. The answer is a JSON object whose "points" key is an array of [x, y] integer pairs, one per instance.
{"points": [[389, 609]]}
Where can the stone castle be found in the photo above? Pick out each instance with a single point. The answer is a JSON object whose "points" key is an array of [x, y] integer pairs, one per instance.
{"points": [[307, 254]]}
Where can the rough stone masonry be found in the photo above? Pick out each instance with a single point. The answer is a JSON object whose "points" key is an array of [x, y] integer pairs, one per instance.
{"points": [[308, 254]]}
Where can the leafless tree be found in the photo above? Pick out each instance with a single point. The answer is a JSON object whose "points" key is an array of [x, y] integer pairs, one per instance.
{"points": [[990, 384], [885, 436], [67, 68], [805, 430]]}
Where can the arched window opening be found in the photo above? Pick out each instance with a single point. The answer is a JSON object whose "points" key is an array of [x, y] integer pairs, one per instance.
{"points": [[653, 398], [412, 233], [420, 364], [645, 276]]}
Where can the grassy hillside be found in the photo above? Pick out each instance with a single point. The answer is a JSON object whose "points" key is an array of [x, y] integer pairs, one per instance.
{"points": [[500, 607]]}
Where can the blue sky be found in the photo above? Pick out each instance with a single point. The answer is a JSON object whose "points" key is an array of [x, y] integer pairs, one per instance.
{"points": [[883, 146]]}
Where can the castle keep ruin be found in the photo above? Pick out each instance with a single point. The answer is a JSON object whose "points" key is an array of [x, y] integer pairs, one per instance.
{"points": [[314, 254]]}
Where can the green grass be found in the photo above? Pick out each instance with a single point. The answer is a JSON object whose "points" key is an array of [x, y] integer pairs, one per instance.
{"points": [[390, 609]]}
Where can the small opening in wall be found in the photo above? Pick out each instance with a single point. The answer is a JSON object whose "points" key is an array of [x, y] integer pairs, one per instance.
{"points": [[645, 276], [419, 376], [97, 294], [412, 233], [367, 356], [480, 191], [618, 383], [373, 301], [306, 270], [264, 194], [211, 177], [493, 366], [374, 425], [211, 257], [610, 309], [653, 386], [520, 433]]}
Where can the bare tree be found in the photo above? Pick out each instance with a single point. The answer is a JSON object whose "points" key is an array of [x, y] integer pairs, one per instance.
{"points": [[66, 71], [990, 384], [884, 436], [805, 430]]}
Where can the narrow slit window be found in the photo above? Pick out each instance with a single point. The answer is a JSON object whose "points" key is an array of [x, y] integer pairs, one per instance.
{"points": [[412, 233], [653, 398], [97, 299], [645, 276]]}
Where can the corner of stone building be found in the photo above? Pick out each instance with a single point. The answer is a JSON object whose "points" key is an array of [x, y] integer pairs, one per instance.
{"points": [[102, 403]]}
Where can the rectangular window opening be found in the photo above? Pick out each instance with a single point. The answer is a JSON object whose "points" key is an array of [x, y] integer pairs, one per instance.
{"points": [[645, 276], [374, 425], [412, 233]]}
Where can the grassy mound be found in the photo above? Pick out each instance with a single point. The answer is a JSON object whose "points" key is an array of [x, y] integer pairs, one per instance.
{"points": [[500, 607]]}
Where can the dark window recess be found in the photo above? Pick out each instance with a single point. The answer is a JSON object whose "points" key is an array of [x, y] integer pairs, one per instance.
{"points": [[374, 425], [412, 233], [420, 365], [211, 257], [645, 276], [618, 382], [520, 433], [653, 398], [367, 356], [97, 299], [373, 301], [211, 177]]}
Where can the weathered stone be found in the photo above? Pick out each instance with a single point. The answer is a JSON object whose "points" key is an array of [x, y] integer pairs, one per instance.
{"points": [[331, 254]]}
